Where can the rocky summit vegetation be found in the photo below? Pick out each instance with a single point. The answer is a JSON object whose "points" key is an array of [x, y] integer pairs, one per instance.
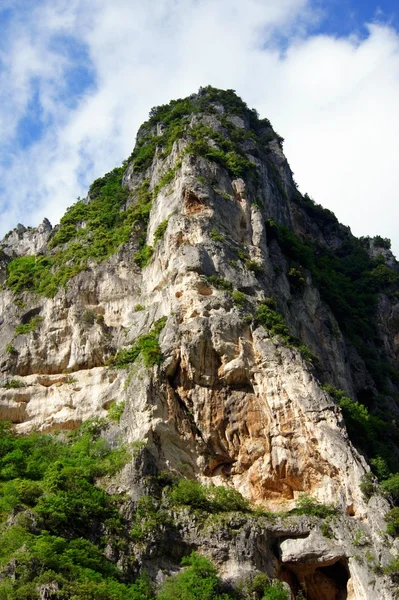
{"points": [[199, 381]]}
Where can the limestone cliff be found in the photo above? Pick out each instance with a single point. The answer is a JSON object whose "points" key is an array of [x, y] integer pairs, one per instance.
{"points": [[197, 289]]}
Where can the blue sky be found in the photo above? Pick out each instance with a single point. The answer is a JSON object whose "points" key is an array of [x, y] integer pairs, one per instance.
{"points": [[343, 17], [78, 77]]}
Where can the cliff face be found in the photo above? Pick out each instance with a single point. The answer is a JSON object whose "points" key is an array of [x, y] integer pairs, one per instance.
{"points": [[222, 317]]}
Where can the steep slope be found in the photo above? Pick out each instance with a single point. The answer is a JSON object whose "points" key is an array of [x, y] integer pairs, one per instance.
{"points": [[223, 312]]}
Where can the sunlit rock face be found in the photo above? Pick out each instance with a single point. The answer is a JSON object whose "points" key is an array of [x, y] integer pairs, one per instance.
{"points": [[232, 402]]}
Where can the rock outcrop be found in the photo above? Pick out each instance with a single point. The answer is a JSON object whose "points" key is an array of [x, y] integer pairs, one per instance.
{"points": [[237, 399]]}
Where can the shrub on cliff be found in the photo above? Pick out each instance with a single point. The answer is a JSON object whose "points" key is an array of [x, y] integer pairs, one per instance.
{"points": [[146, 345], [211, 499], [305, 505], [390, 488], [392, 519]]}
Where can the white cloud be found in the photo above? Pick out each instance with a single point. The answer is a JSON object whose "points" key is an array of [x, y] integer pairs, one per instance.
{"points": [[334, 100]]}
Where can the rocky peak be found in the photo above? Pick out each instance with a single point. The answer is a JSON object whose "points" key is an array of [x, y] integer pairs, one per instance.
{"points": [[23, 241], [247, 335]]}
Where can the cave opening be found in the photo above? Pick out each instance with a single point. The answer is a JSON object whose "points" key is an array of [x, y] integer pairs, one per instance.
{"points": [[313, 581]]}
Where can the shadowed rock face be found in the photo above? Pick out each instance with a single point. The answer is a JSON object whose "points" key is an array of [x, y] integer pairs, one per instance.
{"points": [[319, 582], [230, 404], [317, 567]]}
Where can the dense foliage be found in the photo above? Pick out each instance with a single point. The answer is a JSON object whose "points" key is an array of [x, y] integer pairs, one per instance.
{"points": [[227, 150], [176, 115], [88, 231], [349, 281], [368, 432], [228, 154], [56, 523], [55, 520], [305, 505], [210, 499]]}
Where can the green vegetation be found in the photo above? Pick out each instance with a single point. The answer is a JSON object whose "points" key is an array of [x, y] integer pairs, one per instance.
{"points": [[295, 249], [59, 525], [148, 520], [239, 298], [189, 492], [200, 582], [115, 411], [368, 485], [348, 281], [275, 325], [93, 230], [272, 321], [305, 505], [392, 570], [322, 216], [392, 519], [20, 303], [175, 117], [88, 231], [275, 591], [144, 152], [14, 384], [369, 433], [219, 283], [160, 230], [32, 325], [254, 266], [296, 277], [29, 273], [261, 588], [55, 477], [61, 518], [216, 236], [242, 254], [390, 488], [146, 345], [326, 530], [360, 539], [235, 163], [10, 349], [89, 317], [381, 242], [143, 256], [139, 307], [377, 439], [166, 178]]}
